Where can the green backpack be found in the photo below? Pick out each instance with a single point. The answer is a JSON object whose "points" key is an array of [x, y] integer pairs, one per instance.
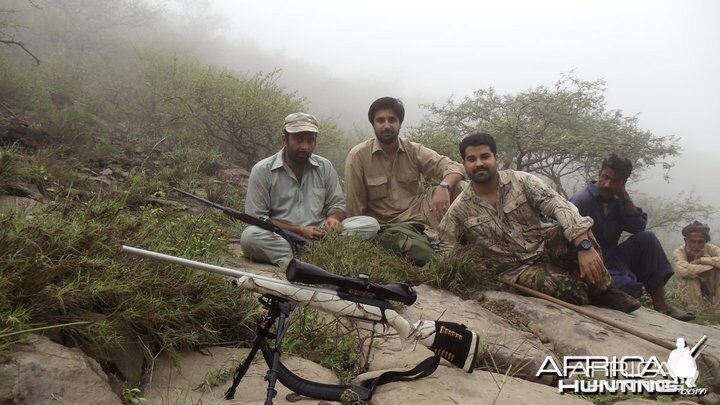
{"points": [[408, 241]]}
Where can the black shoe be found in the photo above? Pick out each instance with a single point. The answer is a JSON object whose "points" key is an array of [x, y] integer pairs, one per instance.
{"points": [[616, 299]]}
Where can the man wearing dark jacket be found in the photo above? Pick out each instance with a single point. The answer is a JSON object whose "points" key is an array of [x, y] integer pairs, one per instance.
{"points": [[638, 261]]}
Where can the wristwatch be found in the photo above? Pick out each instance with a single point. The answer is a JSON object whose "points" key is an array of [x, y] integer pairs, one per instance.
{"points": [[584, 244], [444, 184]]}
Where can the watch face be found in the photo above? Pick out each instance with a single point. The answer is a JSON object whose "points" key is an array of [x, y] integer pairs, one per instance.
{"points": [[585, 244]]}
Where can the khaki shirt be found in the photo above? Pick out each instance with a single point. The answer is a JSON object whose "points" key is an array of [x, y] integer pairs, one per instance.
{"points": [[513, 231], [392, 192], [709, 258], [274, 192]]}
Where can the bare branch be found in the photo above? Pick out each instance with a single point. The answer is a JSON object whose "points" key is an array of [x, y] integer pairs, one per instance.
{"points": [[22, 46]]}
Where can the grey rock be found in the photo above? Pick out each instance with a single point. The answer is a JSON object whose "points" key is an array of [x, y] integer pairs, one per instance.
{"points": [[204, 378], [43, 372], [574, 334], [503, 346]]}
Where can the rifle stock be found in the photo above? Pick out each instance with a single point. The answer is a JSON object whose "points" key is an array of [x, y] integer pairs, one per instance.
{"points": [[448, 340]]}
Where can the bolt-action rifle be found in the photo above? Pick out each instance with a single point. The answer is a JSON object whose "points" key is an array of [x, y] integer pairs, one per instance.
{"points": [[354, 298], [350, 297], [296, 241]]}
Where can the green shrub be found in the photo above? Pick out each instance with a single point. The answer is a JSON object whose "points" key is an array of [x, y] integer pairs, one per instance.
{"points": [[64, 261], [352, 256], [463, 272], [323, 339], [75, 127]]}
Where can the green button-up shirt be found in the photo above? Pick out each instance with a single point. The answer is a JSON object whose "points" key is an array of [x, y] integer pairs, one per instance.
{"points": [[274, 192]]}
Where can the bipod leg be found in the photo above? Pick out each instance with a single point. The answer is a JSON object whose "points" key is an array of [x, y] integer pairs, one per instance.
{"points": [[242, 368], [284, 310]]}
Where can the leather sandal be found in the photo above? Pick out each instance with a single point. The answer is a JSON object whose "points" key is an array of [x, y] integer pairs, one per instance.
{"points": [[678, 314]]}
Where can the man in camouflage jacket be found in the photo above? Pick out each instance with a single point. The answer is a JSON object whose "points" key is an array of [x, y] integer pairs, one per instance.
{"points": [[500, 214]]}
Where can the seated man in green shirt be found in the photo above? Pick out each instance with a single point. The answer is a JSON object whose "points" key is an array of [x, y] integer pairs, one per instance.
{"points": [[299, 192]]}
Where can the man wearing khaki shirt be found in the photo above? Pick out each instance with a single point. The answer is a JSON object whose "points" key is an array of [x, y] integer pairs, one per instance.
{"points": [[299, 192], [383, 175], [698, 265]]}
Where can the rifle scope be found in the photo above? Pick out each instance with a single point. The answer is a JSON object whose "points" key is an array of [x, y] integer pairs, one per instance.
{"points": [[307, 273]]}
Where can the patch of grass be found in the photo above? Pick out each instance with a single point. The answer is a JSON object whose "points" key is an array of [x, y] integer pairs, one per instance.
{"points": [[464, 272], [705, 314], [609, 399], [64, 261], [352, 256], [132, 396], [324, 340], [12, 319], [17, 167], [8, 168], [75, 127], [216, 378], [190, 166], [55, 176]]}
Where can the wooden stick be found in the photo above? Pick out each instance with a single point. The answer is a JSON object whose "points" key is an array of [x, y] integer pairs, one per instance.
{"points": [[582, 311]]}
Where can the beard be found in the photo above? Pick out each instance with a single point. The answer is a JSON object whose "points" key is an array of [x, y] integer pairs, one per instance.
{"points": [[387, 137], [296, 157], [605, 192], [482, 176], [693, 254]]}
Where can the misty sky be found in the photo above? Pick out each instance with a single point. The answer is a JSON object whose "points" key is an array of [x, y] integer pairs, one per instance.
{"points": [[659, 58]]}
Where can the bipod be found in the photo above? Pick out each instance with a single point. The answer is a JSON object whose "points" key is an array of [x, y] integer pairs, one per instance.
{"points": [[278, 309]]}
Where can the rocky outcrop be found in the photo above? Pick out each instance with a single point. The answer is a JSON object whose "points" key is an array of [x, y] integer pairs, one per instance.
{"points": [[507, 347], [575, 334], [42, 372], [204, 378], [517, 334]]}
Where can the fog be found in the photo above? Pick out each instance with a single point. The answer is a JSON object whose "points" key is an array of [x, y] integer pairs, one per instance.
{"points": [[660, 59]]}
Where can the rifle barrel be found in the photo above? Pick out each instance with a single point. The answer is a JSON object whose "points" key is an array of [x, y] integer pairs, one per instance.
{"points": [[292, 238], [206, 201], [212, 268], [460, 352]]}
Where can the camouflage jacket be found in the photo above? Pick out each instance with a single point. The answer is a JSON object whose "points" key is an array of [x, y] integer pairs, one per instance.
{"points": [[514, 232]]}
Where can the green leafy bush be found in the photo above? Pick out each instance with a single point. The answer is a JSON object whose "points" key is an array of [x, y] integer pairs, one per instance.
{"points": [[63, 261]]}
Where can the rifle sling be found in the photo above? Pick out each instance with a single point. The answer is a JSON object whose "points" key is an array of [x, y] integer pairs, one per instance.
{"points": [[299, 385], [337, 392], [424, 369]]}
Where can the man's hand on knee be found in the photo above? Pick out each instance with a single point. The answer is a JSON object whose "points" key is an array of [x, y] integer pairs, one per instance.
{"points": [[440, 202], [592, 267], [333, 225]]}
